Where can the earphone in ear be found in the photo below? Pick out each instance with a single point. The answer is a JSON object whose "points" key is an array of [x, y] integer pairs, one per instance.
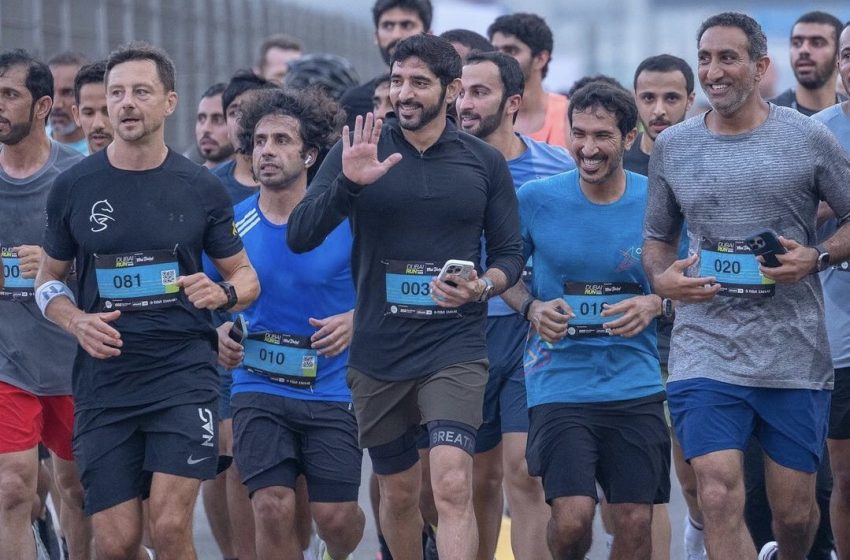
{"points": [[308, 160]]}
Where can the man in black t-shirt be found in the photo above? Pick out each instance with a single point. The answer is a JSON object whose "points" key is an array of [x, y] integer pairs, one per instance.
{"points": [[134, 218]]}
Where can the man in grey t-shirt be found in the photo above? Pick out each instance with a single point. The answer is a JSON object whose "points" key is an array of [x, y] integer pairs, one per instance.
{"points": [[35, 355], [749, 353]]}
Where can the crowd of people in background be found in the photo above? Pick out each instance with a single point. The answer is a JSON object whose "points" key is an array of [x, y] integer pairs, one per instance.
{"points": [[519, 302]]}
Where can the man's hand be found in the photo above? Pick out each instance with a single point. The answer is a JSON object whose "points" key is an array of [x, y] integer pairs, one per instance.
{"points": [[673, 283], [797, 263], [638, 312], [360, 153], [550, 318], [202, 292], [334, 334], [464, 291], [94, 334], [230, 352], [29, 258]]}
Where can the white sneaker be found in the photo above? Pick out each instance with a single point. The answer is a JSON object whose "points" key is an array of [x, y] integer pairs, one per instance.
{"points": [[769, 551], [694, 542]]}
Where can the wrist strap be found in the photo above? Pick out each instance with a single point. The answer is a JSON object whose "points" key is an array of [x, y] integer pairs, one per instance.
{"points": [[526, 305], [46, 292]]}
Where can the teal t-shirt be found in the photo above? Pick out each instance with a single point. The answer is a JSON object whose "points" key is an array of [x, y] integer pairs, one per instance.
{"points": [[588, 254]]}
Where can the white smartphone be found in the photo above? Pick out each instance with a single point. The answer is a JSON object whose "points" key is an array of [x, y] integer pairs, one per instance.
{"points": [[461, 269]]}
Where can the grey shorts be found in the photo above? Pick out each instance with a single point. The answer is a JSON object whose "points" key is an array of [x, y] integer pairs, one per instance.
{"points": [[386, 410]]}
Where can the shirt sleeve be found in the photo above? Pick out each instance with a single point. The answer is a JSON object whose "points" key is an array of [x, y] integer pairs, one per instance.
{"points": [[501, 224], [663, 220], [832, 171], [326, 204], [58, 241], [221, 240]]}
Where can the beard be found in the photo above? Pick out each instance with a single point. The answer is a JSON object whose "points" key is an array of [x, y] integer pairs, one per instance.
{"points": [[427, 115], [816, 80], [17, 131]]}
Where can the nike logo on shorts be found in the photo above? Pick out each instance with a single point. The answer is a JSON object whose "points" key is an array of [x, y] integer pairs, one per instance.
{"points": [[192, 461]]}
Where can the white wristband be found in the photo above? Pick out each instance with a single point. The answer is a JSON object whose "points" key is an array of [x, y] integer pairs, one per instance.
{"points": [[45, 293]]}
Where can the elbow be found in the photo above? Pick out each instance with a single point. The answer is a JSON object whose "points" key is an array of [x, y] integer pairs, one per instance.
{"points": [[296, 243]]}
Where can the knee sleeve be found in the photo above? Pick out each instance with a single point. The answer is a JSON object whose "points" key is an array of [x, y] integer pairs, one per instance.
{"points": [[395, 456], [455, 434]]}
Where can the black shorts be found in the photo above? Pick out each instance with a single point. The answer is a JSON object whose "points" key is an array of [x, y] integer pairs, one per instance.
{"points": [[118, 449], [839, 408], [277, 438], [623, 445]]}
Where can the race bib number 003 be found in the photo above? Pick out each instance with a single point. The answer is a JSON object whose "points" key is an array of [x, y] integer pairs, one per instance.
{"points": [[735, 267], [408, 289], [137, 281], [16, 287]]}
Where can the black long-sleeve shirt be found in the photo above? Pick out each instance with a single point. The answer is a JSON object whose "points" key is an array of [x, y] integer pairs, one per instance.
{"points": [[430, 207]]}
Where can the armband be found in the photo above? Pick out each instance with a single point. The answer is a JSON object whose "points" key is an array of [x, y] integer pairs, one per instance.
{"points": [[45, 293]]}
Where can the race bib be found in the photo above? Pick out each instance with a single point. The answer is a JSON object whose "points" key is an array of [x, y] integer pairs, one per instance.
{"points": [[282, 358], [733, 264], [587, 299], [137, 281], [15, 287], [408, 286]]}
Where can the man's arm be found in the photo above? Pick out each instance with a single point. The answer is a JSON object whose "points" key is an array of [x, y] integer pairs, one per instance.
{"points": [[236, 270]]}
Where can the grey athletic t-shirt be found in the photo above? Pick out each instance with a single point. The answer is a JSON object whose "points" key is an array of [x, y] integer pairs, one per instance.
{"points": [[35, 354], [728, 187]]}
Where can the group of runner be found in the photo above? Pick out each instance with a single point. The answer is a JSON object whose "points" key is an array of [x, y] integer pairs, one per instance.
{"points": [[289, 308]]}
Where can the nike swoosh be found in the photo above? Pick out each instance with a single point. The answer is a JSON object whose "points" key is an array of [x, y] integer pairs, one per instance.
{"points": [[191, 461]]}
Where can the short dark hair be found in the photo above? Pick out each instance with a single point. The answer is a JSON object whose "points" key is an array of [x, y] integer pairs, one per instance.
{"points": [[513, 82], [278, 41], [757, 42], [438, 54], [823, 18], [319, 117], [470, 39], [89, 74], [140, 50], [531, 29], [422, 8], [615, 100], [242, 81], [68, 58], [667, 63], [383, 78], [602, 78], [213, 90], [39, 80]]}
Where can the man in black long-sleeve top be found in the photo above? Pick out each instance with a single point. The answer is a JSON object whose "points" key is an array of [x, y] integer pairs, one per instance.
{"points": [[418, 192]]}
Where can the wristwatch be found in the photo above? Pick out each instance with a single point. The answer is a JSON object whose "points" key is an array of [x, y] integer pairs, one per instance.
{"points": [[230, 292], [485, 293], [667, 309], [526, 306], [823, 258]]}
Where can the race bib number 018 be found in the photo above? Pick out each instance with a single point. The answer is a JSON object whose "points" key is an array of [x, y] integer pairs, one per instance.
{"points": [[735, 267], [15, 287], [282, 358], [408, 289], [587, 300], [137, 281]]}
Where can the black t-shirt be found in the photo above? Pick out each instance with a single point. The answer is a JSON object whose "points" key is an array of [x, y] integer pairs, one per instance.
{"points": [[635, 160], [131, 233], [430, 207], [788, 98], [358, 101]]}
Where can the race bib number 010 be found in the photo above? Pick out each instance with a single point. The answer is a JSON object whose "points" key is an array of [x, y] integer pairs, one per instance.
{"points": [[408, 289], [282, 358], [587, 300], [137, 281], [735, 267], [16, 287]]}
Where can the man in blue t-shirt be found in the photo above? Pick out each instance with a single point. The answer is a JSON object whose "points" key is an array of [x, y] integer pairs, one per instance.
{"points": [[591, 365], [488, 104], [292, 411]]}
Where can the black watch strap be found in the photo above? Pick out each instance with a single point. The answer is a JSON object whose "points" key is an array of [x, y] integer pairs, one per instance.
{"points": [[230, 292], [526, 305]]}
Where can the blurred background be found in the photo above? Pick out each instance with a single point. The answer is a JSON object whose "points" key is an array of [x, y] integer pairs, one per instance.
{"points": [[209, 39]]}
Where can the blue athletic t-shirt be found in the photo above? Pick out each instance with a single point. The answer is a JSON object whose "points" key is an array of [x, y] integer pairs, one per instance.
{"points": [[236, 190], [295, 287], [538, 161], [574, 240]]}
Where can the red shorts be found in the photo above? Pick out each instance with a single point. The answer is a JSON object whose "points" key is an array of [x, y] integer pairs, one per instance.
{"points": [[27, 419]]}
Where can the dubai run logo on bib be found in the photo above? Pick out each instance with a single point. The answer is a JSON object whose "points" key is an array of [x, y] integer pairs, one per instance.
{"points": [[100, 215]]}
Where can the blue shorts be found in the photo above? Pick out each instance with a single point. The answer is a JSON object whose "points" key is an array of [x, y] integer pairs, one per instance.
{"points": [[790, 424], [505, 400], [225, 384]]}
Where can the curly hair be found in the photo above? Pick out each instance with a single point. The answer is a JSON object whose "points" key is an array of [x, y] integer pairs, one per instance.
{"points": [[320, 118]]}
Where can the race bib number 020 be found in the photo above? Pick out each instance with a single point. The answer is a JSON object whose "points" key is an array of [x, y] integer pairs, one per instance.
{"points": [[736, 269], [137, 281]]}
